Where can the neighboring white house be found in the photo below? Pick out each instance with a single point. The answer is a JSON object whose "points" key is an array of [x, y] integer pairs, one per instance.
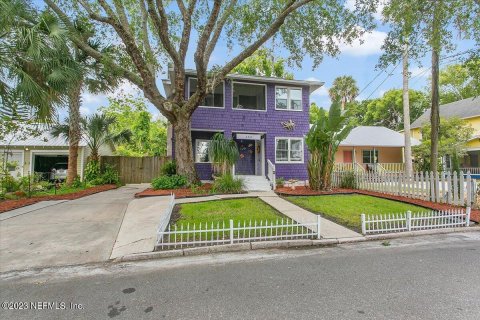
{"points": [[39, 154]]}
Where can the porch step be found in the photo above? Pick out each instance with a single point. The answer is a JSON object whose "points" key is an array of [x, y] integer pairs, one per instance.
{"points": [[256, 183]]}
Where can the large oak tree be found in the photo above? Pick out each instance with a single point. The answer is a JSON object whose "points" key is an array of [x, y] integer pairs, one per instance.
{"points": [[153, 33]]}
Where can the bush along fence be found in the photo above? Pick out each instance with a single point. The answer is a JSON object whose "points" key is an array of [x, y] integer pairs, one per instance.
{"points": [[217, 233], [444, 187], [386, 223]]}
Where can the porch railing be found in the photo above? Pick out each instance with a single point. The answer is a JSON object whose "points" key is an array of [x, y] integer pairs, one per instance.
{"points": [[271, 174], [348, 167], [472, 170]]}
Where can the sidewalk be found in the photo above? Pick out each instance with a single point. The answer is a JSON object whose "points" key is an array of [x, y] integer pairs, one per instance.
{"points": [[328, 229], [139, 227]]}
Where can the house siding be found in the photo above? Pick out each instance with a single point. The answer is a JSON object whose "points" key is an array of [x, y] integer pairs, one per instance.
{"points": [[231, 120]]}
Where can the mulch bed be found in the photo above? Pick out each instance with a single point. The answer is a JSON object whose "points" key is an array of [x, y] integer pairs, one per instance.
{"points": [[203, 190], [305, 191], [7, 205]]}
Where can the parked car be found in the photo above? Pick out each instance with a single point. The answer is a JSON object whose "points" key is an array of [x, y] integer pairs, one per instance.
{"points": [[59, 171]]}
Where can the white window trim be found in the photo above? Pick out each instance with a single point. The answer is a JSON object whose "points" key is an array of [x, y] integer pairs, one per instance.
{"points": [[207, 107], [289, 150], [196, 141], [251, 83], [288, 98], [371, 151]]}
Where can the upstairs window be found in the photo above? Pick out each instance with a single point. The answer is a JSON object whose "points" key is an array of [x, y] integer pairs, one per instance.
{"points": [[288, 98], [249, 96], [212, 100], [370, 156]]}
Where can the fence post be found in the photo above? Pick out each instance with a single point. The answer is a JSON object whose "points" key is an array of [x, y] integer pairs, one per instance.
{"points": [[364, 226], [409, 220], [318, 226], [231, 231], [467, 217]]}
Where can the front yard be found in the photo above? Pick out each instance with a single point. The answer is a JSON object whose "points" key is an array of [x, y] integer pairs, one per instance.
{"points": [[239, 210], [346, 209]]}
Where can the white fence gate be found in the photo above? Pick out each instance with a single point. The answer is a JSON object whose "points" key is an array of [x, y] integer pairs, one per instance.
{"points": [[417, 221], [444, 187]]}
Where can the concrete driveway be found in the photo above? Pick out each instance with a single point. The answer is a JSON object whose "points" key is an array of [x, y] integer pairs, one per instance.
{"points": [[70, 232]]}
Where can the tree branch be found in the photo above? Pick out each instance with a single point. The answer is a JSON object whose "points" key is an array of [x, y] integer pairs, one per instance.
{"points": [[201, 66], [274, 27], [218, 31]]}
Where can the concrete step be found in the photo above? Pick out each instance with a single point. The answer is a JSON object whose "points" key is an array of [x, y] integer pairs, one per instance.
{"points": [[256, 183]]}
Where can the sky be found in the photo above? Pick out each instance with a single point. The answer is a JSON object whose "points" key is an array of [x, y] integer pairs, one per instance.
{"points": [[358, 60]]}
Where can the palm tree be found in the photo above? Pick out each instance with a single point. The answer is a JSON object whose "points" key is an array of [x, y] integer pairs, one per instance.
{"points": [[95, 131], [323, 140], [35, 67], [96, 80], [344, 89], [223, 153]]}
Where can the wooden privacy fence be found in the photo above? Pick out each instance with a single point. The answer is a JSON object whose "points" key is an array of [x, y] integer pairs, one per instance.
{"points": [[415, 221], [136, 169], [444, 187]]}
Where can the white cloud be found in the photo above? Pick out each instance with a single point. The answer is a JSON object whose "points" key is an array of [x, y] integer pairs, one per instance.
{"points": [[420, 72], [84, 111], [125, 88], [87, 97], [321, 92], [370, 43], [312, 79], [350, 4]]}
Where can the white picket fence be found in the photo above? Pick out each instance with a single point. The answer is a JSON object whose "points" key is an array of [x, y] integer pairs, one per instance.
{"points": [[209, 234], [385, 223], [444, 187], [165, 219]]}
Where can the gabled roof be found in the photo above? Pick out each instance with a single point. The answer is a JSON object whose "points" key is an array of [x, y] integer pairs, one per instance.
{"points": [[44, 140], [370, 136], [313, 85], [463, 109]]}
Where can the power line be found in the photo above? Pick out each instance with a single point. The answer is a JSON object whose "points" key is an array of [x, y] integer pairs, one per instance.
{"points": [[388, 76]]}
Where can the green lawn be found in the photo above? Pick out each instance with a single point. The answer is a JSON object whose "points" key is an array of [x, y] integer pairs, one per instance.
{"points": [[346, 209], [239, 210], [221, 211]]}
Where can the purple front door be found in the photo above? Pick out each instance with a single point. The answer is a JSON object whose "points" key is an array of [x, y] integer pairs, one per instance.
{"points": [[246, 163]]}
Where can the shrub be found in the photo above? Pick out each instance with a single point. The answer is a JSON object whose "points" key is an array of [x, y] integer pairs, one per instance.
{"points": [[349, 181], [169, 182], [169, 168], [228, 184], [92, 170], [9, 184], [280, 182], [110, 175]]}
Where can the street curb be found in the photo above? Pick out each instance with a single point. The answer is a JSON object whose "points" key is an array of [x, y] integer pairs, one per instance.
{"points": [[285, 244]]}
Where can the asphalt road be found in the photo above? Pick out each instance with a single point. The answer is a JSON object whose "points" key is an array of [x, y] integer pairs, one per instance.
{"points": [[431, 277]]}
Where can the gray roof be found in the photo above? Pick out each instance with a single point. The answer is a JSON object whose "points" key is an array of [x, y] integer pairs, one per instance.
{"points": [[370, 136], [463, 109], [44, 140], [313, 85]]}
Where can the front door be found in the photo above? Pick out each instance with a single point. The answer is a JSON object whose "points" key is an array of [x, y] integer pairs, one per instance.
{"points": [[347, 156], [246, 162]]}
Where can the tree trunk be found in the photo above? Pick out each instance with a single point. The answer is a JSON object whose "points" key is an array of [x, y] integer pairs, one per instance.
{"points": [[183, 148], [435, 109], [74, 131], [406, 116]]}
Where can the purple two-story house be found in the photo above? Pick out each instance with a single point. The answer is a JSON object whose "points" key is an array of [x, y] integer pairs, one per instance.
{"points": [[267, 117]]}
